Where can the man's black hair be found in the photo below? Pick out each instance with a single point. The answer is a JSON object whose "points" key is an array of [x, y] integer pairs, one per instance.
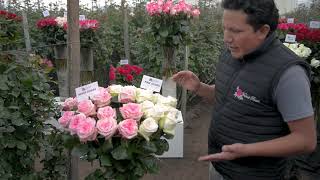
{"points": [[260, 12]]}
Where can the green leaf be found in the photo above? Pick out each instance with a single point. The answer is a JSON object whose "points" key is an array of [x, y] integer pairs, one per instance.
{"points": [[149, 147], [70, 141], [8, 129], [18, 122], [163, 32], [120, 153], [176, 40], [81, 150], [3, 84], [150, 163], [105, 160], [21, 145], [162, 146]]}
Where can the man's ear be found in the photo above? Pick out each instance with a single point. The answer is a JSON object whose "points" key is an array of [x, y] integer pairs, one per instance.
{"points": [[263, 31]]}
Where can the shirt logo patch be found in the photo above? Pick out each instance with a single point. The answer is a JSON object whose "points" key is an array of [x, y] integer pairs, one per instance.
{"points": [[241, 95]]}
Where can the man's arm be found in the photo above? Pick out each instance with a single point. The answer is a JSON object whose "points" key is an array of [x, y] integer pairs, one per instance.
{"points": [[206, 91], [301, 140]]}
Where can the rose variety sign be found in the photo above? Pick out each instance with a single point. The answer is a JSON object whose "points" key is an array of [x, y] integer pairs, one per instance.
{"points": [[123, 127]]}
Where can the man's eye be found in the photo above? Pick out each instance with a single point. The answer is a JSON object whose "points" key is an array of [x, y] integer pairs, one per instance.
{"points": [[235, 30]]}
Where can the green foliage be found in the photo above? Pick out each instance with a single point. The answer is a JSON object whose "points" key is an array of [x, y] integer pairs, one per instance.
{"points": [[120, 158], [25, 103], [55, 159], [10, 30]]}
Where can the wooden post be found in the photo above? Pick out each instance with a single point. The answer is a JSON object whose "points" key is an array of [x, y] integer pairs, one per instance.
{"points": [[125, 30], [26, 32], [73, 66], [184, 91]]}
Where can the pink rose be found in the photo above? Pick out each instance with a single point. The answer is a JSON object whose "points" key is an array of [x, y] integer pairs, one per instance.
{"points": [[195, 13], [103, 98], [86, 130], [106, 112], [69, 104], [128, 128], [131, 111], [127, 94], [86, 107], [65, 118], [107, 127], [74, 122]]}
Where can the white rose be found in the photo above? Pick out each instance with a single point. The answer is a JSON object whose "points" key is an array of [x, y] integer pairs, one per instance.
{"points": [[315, 63], [155, 97], [305, 52], [286, 44], [147, 106], [157, 112], [168, 125], [172, 113], [167, 101], [61, 21], [148, 127], [143, 95], [115, 90]]}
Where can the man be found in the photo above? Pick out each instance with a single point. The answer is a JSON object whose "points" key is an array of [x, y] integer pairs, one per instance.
{"points": [[262, 105]]}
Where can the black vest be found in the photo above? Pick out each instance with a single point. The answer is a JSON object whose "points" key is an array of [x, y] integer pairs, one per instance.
{"points": [[244, 111]]}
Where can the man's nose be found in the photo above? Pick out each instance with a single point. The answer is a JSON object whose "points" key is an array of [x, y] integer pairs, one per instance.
{"points": [[227, 37]]}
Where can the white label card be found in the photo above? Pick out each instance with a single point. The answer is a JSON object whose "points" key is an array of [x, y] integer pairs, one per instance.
{"points": [[124, 61], [315, 24], [65, 14], [46, 13], [82, 17], [86, 91], [290, 38], [290, 20], [150, 83]]}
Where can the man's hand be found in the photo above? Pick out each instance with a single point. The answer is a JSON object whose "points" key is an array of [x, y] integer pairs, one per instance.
{"points": [[229, 152]]}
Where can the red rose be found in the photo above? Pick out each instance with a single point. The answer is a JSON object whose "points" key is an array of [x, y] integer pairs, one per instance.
{"points": [[129, 78]]}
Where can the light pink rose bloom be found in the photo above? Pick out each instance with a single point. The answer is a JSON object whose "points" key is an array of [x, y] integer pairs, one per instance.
{"points": [[69, 104], [87, 107], [74, 122], [131, 111], [106, 112], [195, 13], [65, 118], [103, 98], [167, 7], [87, 130], [127, 94], [107, 127], [128, 128]]}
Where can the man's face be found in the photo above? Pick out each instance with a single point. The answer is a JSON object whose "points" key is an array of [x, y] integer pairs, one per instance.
{"points": [[239, 36]]}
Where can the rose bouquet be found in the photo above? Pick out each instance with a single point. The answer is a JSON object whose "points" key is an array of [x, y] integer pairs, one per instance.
{"points": [[125, 74], [55, 30], [170, 27], [123, 127]]}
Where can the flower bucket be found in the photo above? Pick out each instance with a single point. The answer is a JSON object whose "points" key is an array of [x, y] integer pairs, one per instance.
{"points": [[60, 52], [169, 87], [86, 59]]}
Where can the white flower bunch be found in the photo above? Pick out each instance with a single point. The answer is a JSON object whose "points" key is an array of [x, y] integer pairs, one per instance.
{"points": [[299, 49], [315, 63]]}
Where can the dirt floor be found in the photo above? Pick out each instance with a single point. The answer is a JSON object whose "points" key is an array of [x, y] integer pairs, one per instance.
{"points": [[195, 145]]}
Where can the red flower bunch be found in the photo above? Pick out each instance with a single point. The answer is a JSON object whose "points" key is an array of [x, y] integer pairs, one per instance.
{"points": [[46, 22], [125, 73], [89, 24], [301, 30], [10, 16]]}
